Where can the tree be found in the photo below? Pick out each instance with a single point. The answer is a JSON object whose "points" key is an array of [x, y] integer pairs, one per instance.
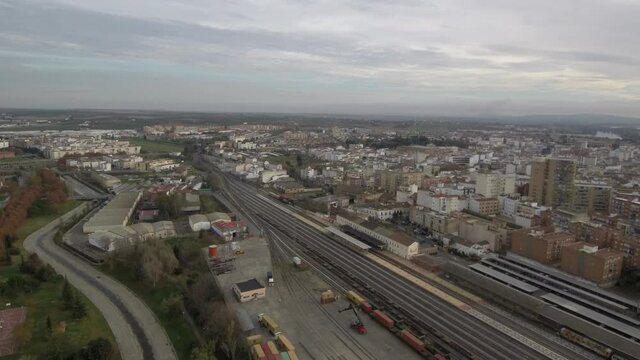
{"points": [[205, 352], [99, 349], [67, 295], [172, 305], [48, 324], [158, 261], [79, 309]]}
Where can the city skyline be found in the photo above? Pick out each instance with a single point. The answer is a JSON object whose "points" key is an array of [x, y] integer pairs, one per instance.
{"points": [[406, 58]]}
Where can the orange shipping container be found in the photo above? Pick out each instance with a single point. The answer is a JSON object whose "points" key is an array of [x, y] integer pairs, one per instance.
{"points": [[285, 343]]}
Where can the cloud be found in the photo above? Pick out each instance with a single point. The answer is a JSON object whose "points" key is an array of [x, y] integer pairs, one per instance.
{"points": [[299, 54]]}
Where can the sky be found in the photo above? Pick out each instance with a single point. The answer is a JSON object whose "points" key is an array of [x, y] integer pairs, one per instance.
{"points": [[401, 57]]}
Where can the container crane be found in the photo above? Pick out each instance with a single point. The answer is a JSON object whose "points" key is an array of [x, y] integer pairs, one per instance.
{"points": [[355, 324]]}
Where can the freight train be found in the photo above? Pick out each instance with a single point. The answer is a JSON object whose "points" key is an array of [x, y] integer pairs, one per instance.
{"points": [[424, 348], [590, 344]]}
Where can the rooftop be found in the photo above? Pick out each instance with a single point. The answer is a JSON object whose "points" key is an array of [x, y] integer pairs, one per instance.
{"points": [[249, 285]]}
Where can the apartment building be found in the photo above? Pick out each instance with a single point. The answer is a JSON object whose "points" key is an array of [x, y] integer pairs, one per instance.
{"points": [[602, 266], [591, 197], [439, 224], [552, 181], [441, 202], [540, 246], [483, 205], [494, 184]]}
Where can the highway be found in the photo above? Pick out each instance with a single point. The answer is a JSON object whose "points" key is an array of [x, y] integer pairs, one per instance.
{"points": [[137, 331], [485, 339]]}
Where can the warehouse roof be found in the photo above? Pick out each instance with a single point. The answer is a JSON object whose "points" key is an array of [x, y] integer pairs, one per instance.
{"points": [[115, 213], [249, 285], [198, 218]]}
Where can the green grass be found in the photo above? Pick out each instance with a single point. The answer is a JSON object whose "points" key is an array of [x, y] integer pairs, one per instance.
{"points": [[154, 146], [210, 204], [35, 223], [46, 300], [177, 327]]}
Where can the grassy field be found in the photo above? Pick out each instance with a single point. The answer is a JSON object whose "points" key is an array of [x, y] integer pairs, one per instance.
{"points": [[155, 147], [46, 300], [177, 327]]}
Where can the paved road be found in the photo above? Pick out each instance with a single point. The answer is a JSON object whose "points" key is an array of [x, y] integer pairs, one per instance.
{"points": [[82, 191], [137, 331]]}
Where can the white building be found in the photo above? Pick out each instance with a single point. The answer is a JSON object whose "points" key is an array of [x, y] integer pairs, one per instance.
{"points": [[199, 222], [396, 242], [493, 184], [442, 203]]}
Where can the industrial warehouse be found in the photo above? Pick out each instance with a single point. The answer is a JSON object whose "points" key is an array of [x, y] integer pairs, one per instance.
{"points": [[115, 214], [107, 229]]}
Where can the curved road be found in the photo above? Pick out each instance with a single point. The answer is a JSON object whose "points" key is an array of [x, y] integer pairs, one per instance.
{"points": [[136, 329]]}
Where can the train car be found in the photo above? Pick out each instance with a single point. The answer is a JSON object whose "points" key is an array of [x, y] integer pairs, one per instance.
{"points": [[586, 342], [285, 343], [268, 322], [366, 307], [413, 341], [285, 356], [292, 355], [383, 319], [354, 297]]}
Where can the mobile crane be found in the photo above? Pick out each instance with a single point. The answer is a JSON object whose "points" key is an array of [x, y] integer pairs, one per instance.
{"points": [[355, 324]]}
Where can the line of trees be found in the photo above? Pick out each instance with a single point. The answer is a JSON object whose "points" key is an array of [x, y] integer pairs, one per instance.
{"points": [[44, 192], [193, 289]]}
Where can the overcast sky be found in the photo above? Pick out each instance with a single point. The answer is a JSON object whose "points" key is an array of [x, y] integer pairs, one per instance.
{"points": [[455, 57]]}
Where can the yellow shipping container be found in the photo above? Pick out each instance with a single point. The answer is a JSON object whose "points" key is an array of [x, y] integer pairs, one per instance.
{"points": [[268, 322], [254, 339], [285, 343], [355, 298], [273, 348], [257, 352]]}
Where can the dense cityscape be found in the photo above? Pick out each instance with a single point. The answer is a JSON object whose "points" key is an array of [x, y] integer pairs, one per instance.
{"points": [[319, 180], [527, 236]]}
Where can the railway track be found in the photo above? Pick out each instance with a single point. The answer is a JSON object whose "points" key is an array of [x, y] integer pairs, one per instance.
{"points": [[446, 322]]}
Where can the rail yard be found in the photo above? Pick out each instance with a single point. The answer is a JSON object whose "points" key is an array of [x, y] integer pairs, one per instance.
{"points": [[426, 318]]}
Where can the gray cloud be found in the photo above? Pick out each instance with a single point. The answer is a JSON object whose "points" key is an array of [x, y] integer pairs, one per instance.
{"points": [[410, 55]]}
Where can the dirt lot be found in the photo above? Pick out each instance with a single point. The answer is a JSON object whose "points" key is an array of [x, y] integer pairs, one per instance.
{"points": [[317, 331]]}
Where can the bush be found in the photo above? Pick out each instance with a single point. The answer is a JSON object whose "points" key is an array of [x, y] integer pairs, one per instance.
{"points": [[19, 283]]}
